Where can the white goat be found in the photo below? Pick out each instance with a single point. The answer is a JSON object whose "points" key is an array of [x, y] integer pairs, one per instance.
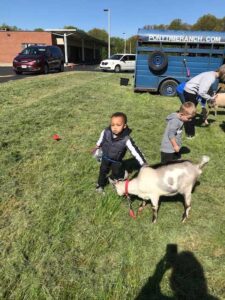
{"points": [[219, 102], [167, 180]]}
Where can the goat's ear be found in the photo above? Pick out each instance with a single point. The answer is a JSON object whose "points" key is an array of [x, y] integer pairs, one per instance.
{"points": [[113, 182]]}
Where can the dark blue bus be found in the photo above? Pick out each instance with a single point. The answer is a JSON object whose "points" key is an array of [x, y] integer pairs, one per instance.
{"points": [[164, 58]]}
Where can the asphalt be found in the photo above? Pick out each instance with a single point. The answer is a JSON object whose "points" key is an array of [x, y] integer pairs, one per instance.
{"points": [[7, 73]]}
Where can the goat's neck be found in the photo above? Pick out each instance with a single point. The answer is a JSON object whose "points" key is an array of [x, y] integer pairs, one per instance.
{"points": [[132, 187]]}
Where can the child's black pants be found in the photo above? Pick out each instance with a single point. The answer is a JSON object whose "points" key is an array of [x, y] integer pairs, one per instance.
{"points": [[117, 171], [189, 127]]}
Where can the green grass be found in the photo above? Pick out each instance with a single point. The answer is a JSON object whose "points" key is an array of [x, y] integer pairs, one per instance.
{"points": [[61, 240]]}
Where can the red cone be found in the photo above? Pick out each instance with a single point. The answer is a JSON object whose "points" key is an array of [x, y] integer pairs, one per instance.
{"points": [[56, 137]]}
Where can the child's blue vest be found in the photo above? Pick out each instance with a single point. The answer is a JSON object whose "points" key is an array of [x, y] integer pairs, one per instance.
{"points": [[114, 148]]}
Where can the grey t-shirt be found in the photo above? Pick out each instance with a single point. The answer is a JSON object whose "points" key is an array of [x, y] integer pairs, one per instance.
{"points": [[173, 129], [201, 84]]}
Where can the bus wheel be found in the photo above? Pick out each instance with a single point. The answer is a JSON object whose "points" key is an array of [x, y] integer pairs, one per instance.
{"points": [[157, 61], [168, 88]]}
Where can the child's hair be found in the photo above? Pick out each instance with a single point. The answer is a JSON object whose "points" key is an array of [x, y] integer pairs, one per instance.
{"points": [[188, 109], [221, 72], [120, 114]]}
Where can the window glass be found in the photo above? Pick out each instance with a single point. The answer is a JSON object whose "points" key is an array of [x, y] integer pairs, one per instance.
{"points": [[116, 56], [131, 57], [33, 50]]}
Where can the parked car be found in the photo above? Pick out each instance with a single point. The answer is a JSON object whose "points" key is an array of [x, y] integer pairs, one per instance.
{"points": [[39, 59], [119, 62]]}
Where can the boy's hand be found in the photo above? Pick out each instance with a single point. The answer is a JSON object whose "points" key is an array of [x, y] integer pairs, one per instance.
{"points": [[214, 98], [94, 150], [145, 164], [176, 148]]}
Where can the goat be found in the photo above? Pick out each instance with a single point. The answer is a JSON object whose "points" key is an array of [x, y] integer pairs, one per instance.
{"points": [[178, 177], [219, 102]]}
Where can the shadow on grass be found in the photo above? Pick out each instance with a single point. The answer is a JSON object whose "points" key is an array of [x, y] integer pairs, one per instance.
{"points": [[199, 121], [222, 126], [219, 112], [187, 279]]}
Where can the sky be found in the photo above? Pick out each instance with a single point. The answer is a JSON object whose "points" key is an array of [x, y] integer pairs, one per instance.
{"points": [[125, 16]]}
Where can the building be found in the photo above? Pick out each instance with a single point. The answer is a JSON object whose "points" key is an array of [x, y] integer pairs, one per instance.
{"points": [[77, 46]]}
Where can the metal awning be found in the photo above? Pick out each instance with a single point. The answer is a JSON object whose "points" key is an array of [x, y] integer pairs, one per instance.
{"points": [[74, 34]]}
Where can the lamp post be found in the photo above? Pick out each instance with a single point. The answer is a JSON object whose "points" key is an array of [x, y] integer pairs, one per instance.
{"points": [[125, 46], [108, 11]]}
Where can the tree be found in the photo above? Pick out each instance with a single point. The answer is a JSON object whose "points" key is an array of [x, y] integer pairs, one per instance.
{"points": [[208, 22], [38, 29], [69, 27], [131, 44], [99, 34], [177, 24], [8, 27]]}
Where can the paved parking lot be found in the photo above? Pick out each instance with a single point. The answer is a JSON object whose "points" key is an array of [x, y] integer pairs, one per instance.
{"points": [[7, 74]]}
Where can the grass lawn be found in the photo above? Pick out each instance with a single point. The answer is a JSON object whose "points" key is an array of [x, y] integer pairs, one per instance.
{"points": [[61, 240]]}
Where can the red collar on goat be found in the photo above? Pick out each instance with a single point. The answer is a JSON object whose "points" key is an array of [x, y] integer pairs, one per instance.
{"points": [[126, 187]]}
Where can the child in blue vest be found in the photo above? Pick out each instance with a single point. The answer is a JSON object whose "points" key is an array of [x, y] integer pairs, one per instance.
{"points": [[114, 142]]}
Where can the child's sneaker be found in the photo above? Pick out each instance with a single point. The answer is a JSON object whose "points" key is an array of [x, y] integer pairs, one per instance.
{"points": [[99, 189], [190, 137]]}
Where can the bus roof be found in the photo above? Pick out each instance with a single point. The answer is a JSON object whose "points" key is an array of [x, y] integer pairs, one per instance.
{"points": [[181, 36]]}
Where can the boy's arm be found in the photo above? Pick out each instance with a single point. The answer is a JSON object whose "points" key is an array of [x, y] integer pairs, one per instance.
{"points": [[135, 152], [174, 144], [99, 142], [172, 130]]}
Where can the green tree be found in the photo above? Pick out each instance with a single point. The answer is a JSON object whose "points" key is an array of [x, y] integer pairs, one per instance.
{"points": [[8, 27], [117, 45], [69, 27], [38, 29], [208, 22], [131, 44], [99, 34], [177, 24]]}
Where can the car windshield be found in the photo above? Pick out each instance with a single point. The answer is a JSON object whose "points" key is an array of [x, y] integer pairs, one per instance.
{"points": [[33, 51], [116, 56]]}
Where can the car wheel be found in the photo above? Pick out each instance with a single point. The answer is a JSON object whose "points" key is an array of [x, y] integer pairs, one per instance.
{"points": [[157, 61], [46, 69], [117, 69], [61, 68], [168, 88]]}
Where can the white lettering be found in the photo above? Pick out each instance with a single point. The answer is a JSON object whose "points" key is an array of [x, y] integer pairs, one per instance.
{"points": [[184, 38]]}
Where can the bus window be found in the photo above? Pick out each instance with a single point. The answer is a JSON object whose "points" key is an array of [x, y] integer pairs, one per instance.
{"points": [[205, 46]]}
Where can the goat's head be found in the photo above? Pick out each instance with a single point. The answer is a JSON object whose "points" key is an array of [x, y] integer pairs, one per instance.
{"points": [[211, 103], [118, 185]]}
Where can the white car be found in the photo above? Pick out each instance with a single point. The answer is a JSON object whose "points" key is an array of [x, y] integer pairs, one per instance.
{"points": [[119, 62]]}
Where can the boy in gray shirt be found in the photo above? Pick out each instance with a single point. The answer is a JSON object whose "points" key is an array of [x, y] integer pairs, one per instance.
{"points": [[171, 142]]}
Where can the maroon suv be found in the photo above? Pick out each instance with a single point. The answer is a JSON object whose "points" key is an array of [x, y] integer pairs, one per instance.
{"points": [[39, 59]]}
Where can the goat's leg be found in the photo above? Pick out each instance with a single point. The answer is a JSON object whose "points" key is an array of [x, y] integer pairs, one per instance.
{"points": [[141, 207], [187, 205], [155, 206]]}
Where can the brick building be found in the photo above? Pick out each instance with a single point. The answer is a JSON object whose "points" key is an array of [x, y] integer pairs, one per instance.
{"points": [[79, 46]]}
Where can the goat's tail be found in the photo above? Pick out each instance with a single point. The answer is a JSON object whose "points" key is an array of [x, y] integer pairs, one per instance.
{"points": [[204, 161]]}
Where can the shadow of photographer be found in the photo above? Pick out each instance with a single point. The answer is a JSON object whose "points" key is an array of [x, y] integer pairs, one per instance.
{"points": [[187, 280]]}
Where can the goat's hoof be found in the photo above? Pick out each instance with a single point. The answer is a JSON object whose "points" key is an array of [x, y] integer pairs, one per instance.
{"points": [[184, 219], [140, 210], [154, 220], [132, 214]]}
